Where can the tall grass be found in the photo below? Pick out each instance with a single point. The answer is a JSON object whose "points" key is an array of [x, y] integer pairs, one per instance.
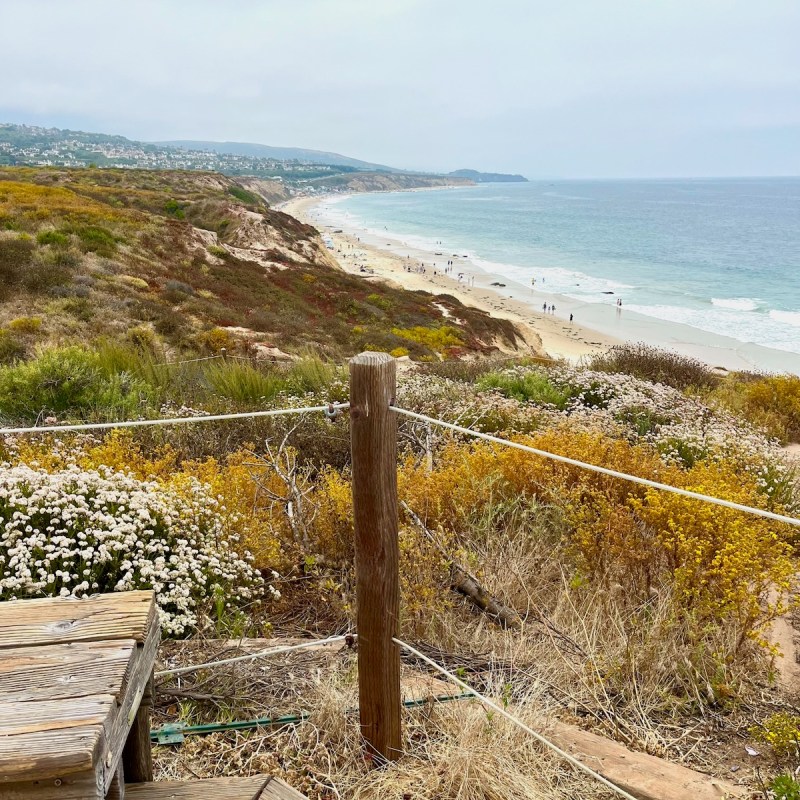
{"points": [[243, 383], [114, 380], [652, 364]]}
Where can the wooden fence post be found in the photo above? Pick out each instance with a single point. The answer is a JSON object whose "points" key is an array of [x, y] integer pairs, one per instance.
{"points": [[373, 439]]}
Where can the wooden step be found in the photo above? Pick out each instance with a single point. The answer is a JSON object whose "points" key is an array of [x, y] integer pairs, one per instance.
{"points": [[256, 787]]}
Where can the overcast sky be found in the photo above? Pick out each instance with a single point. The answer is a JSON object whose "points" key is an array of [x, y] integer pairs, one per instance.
{"points": [[549, 88]]}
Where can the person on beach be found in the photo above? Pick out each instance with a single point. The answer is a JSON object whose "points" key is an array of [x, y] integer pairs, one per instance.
{"points": [[544, 307], [570, 317], [553, 309]]}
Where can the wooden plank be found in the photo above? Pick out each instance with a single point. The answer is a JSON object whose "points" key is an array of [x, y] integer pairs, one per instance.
{"points": [[83, 786], [210, 789], [53, 672], [276, 789], [37, 739], [373, 437], [74, 750], [120, 615], [137, 754], [117, 789], [137, 680], [42, 716], [644, 776]]}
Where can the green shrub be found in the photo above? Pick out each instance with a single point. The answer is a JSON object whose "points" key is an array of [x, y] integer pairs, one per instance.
{"points": [[168, 323], [470, 371], [79, 307], [67, 380], [381, 302], [242, 194], [55, 238], [68, 259], [132, 280], [219, 252], [311, 374], [531, 387], [26, 325], [96, 239], [174, 209], [784, 787], [142, 338], [216, 340]]}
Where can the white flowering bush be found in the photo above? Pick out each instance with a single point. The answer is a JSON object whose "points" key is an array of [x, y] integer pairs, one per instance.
{"points": [[79, 532], [681, 428]]}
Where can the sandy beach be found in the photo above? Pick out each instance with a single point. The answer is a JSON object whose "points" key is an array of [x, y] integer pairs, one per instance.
{"points": [[595, 325], [389, 259]]}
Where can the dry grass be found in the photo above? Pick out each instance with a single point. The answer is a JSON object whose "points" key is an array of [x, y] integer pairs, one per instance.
{"points": [[587, 657], [453, 750]]}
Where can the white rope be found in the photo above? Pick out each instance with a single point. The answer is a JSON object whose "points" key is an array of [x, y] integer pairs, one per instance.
{"points": [[139, 423], [272, 651], [519, 723], [760, 512], [187, 361]]}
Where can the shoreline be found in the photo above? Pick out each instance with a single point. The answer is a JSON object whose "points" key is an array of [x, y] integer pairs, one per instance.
{"points": [[551, 334], [596, 326]]}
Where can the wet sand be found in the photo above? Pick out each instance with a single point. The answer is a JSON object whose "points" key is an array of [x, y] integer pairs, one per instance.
{"points": [[387, 259], [596, 325]]}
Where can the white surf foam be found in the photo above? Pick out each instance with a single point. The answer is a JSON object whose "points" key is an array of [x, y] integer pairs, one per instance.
{"points": [[786, 317], [735, 303]]}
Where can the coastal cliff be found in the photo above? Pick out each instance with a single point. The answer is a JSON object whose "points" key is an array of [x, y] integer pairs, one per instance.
{"points": [[194, 262]]}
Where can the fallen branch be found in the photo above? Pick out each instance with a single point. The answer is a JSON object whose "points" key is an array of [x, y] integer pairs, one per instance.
{"points": [[465, 583]]}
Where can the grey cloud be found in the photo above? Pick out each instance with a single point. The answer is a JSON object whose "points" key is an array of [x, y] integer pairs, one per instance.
{"points": [[574, 88]]}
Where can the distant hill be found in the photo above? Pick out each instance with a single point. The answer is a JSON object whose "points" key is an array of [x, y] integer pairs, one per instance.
{"points": [[487, 177], [36, 146], [278, 153]]}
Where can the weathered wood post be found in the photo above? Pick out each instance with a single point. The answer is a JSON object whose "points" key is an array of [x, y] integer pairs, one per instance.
{"points": [[137, 758], [373, 438]]}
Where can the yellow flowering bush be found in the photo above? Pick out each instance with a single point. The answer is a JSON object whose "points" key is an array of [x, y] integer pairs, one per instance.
{"points": [[719, 562], [781, 731]]}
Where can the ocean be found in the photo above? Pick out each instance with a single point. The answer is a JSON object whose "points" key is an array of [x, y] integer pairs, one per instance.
{"points": [[719, 255]]}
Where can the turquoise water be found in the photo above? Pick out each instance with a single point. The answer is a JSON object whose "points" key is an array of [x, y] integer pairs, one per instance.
{"points": [[719, 255]]}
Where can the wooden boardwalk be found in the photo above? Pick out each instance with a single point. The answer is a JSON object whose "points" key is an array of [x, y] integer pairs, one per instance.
{"points": [[75, 696], [258, 787]]}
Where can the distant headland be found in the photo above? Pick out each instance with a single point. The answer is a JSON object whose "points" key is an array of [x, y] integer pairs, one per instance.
{"points": [[487, 177]]}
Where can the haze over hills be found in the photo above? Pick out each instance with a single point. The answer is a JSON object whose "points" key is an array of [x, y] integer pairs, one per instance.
{"points": [[294, 168], [278, 153]]}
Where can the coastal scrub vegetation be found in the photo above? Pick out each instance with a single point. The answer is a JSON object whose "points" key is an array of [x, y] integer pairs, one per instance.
{"points": [[642, 613], [644, 616], [187, 254]]}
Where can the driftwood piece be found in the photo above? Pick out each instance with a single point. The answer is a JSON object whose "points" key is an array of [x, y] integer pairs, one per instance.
{"points": [[465, 583]]}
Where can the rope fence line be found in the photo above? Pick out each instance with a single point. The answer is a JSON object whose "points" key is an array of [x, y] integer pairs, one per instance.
{"points": [[760, 512], [188, 361], [519, 723], [331, 410], [270, 651]]}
